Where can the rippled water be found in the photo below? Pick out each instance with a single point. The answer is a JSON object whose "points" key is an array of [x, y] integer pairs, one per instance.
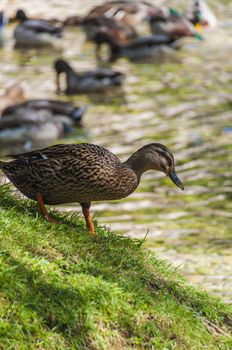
{"points": [[185, 103]]}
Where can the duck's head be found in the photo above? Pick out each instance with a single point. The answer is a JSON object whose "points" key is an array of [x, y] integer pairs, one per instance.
{"points": [[61, 66], [155, 156], [21, 15]]}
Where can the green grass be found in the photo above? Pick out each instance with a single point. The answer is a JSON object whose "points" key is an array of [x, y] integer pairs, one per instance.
{"points": [[62, 289]]}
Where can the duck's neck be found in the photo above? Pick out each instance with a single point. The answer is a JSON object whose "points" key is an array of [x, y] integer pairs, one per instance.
{"points": [[140, 162], [69, 71], [115, 48]]}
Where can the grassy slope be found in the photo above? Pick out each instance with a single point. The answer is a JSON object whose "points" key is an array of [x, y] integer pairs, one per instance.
{"points": [[60, 289]]}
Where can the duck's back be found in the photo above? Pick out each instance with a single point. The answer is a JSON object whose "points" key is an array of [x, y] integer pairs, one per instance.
{"points": [[95, 81]]}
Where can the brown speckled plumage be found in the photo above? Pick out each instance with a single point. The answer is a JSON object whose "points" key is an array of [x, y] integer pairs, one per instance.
{"points": [[84, 172]]}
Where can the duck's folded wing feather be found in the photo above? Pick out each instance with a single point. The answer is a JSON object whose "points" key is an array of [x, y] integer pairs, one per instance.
{"points": [[41, 26]]}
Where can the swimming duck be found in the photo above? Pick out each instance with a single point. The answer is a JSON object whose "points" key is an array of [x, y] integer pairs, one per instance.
{"points": [[67, 113], [14, 94], [96, 81], [35, 32], [143, 49], [121, 32], [125, 11], [84, 173], [171, 22], [201, 15], [29, 129]]}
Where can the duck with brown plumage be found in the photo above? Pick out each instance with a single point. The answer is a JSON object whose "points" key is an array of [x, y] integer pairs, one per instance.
{"points": [[84, 173]]}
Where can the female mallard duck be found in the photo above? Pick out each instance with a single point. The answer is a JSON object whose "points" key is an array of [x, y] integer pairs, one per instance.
{"points": [[121, 32], [35, 32], [171, 22], [67, 113], [84, 173], [201, 15], [124, 11], [142, 49], [96, 81]]}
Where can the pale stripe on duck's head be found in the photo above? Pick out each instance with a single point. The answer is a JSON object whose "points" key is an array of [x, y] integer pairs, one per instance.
{"points": [[158, 157], [165, 163]]}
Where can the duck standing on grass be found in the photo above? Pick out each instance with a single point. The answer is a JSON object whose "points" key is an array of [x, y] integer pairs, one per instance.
{"points": [[84, 173]]}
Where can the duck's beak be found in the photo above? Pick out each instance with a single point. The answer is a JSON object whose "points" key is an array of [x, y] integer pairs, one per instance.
{"points": [[175, 179]]}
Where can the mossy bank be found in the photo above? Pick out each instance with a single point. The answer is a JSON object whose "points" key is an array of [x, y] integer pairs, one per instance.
{"points": [[62, 289]]}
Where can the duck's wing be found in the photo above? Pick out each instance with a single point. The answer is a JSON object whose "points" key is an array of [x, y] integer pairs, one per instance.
{"points": [[23, 119], [56, 107], [53, 106], [42, 26], [182, 26], [152, 40], [80, 151], [103, 73], [45, 153], [101, 78]]}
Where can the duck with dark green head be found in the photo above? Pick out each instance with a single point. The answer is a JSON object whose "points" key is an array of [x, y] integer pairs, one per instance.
{"points": [[84, 173], [171, 22]]}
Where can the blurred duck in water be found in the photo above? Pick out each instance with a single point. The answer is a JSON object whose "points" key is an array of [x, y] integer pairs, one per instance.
{"points": [[124, 11], [28, 130], [35, 33], [95, 81], [144, 49], [170, 22], [36, 122], [201, 15], [121, 32], [14, 94], [67, 113]]}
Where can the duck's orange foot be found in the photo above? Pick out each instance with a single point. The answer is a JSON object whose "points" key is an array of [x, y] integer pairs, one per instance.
{"points": [[88, 219], [43, 209], [92, 233], [51, 219]]}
